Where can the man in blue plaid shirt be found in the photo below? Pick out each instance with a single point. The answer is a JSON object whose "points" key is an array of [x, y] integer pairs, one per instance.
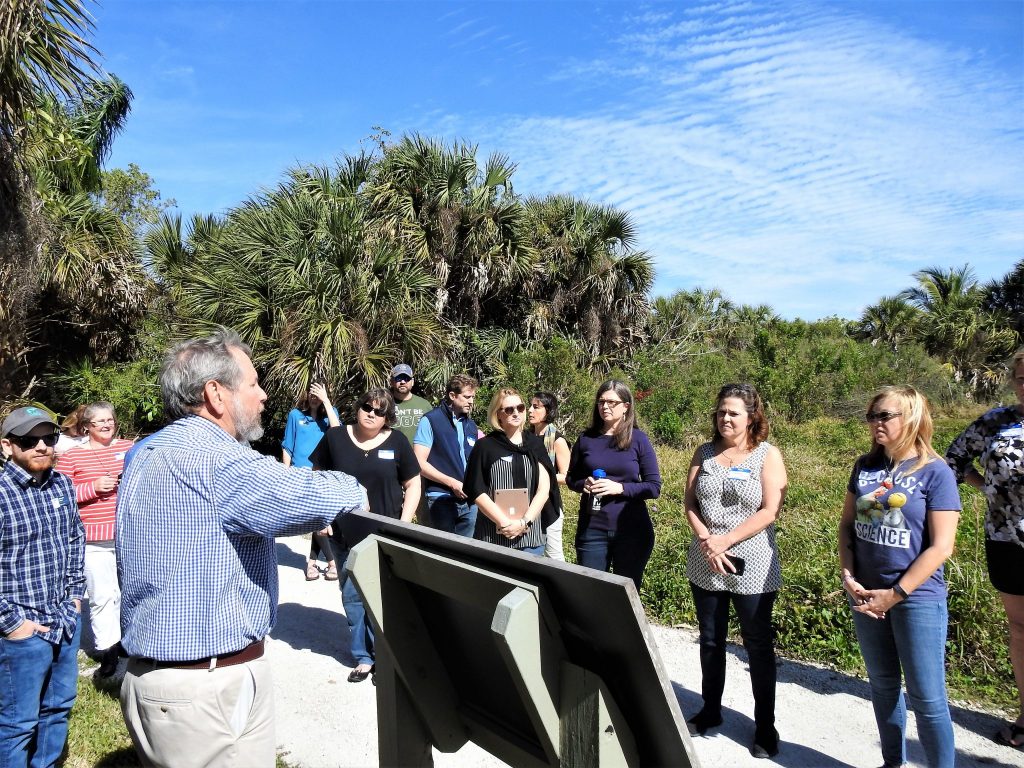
{"points": [[197, 513], [42, 582]]}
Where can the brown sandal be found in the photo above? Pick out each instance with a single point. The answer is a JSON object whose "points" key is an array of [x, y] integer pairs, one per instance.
{"points": [[331, 574], [312, 572]]}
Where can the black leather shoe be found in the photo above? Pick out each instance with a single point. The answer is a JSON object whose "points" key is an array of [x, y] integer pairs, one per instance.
{"points": [[766, 743], [705, 720]]}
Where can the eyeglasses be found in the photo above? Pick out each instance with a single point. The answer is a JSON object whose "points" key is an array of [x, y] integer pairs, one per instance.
{"points": [[508, 411], [881, 416], [101, 422], [367, 408], [28, 442], [402, 379], [609, 403]]}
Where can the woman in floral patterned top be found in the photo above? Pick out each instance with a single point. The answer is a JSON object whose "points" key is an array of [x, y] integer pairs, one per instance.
{"points": [[996, 441]]}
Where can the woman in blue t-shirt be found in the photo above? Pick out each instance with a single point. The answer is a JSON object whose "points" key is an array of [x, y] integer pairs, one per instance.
{"points": [[898, 527], [306, 425]]}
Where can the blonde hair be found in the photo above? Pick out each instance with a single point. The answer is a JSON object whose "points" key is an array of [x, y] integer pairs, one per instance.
{"points": [[916, 436], [496, 401]]}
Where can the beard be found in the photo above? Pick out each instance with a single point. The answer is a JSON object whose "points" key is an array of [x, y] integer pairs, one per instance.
{"points": [[248, 428]]}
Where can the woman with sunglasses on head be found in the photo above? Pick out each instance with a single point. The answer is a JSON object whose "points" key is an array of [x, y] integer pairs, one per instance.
{"points": [[383, 462], [95, 469], [511, 480], [613, 465], [996, 442], [734, 491], [307, 422], [541, 416], [897, 530]]}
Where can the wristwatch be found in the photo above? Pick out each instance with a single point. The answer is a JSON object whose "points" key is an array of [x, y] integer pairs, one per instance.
{"points": [[900, 591]]}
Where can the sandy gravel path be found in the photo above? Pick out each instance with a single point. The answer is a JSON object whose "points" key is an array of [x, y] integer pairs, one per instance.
{"points": [[824, 718]]}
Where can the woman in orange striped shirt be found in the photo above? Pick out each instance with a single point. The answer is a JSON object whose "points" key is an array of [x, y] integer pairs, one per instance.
{"points": [[95, 469]]}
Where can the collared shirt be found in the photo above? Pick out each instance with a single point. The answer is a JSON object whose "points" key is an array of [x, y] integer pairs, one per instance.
{"points": [[42, 552], [197, 513]]}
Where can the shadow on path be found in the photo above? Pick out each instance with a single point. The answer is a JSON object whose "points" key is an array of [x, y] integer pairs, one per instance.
{"points": [[314, 629]]}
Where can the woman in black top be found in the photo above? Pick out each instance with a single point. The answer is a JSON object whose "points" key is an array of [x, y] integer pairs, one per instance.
{"points": [[383, 462], [506, 459]]}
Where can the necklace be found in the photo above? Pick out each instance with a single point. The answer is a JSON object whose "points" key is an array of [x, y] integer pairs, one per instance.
{"points": [[98, 450], [735, 459]]}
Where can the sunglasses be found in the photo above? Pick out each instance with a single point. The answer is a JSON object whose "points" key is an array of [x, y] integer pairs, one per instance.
{"points": [[367, 408], [882, 416], [402, 379], [28, 442], [513, 409]]}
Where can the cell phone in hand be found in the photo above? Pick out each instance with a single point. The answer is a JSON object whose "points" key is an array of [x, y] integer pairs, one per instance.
{"points": [[739, 563]]}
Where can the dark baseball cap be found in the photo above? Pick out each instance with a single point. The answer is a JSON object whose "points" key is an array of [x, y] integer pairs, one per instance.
{"points": [[402, 369], [21, 421]]}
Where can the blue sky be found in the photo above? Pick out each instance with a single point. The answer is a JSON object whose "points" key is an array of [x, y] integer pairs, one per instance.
{"points": [[810, 156]]}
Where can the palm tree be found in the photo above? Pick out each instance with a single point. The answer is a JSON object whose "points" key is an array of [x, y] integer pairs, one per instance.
{"points": [[955, 328], [44, 53], [893, 321], [303, 274], [463, 222], [589, 281]]}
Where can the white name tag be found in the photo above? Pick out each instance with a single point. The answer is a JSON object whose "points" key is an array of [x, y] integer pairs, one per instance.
{"points": [[119, 455], [471, 441], [507, 458], [742, 474], [1014, 430], [386, 455]]}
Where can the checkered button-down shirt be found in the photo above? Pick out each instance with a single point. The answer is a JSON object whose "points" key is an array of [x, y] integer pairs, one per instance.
{"points": [[197, 513], [42, 552]]}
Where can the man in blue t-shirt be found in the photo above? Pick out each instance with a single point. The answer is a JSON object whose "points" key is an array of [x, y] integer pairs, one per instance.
{"points": [[444, 438]]}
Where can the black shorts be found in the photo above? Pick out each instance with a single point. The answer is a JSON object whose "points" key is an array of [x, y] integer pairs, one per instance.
{"points": [[1005, 566]]}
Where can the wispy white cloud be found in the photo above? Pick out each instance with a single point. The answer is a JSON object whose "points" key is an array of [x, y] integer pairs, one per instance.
{"points": [[801, 156]]}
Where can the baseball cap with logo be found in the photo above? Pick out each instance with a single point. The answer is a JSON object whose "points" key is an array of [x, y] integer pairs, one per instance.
{"points": [[402, 369], [21, 421]]}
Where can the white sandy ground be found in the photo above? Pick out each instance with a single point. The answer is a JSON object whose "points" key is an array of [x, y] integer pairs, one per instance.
{"points": [[824, 718]]}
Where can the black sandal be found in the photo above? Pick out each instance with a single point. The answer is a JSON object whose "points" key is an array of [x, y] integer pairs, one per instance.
{"points": [[1016, 732]]}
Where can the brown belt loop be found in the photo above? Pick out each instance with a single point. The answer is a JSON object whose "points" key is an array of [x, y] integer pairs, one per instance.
{"points": [[249, 653]]}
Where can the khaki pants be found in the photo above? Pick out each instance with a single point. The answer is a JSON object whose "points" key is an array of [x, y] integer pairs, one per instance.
{"points": [[185, 718]]}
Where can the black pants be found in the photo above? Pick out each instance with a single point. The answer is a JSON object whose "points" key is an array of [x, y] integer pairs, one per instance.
{"points": [[755, 615], [318, 545]]}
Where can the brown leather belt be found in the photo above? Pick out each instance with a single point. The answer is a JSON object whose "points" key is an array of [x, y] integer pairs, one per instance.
{"points": [[249, 653]]}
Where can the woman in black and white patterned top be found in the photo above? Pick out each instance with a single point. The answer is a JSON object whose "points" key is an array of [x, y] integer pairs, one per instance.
{"points": [[734, 491], [506, 459], [996, 440]]}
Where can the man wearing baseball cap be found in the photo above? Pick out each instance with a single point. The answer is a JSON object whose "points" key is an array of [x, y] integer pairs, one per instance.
{"points": [[410, 407], [42, 582]]}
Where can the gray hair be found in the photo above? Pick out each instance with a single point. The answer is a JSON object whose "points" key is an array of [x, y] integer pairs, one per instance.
{"points": [[93, 408], [191, 364]]}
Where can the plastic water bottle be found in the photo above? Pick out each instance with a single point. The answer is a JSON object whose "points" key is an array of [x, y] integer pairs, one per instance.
{"points": [[595, 498]]}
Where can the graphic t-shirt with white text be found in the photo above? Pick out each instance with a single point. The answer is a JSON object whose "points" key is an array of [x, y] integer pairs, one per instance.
{"points": [[890, 529]]}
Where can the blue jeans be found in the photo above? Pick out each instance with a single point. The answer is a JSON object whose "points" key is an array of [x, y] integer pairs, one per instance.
{"points": [[452, 515], [912, 636], [359, 628], [38, 685], [624, 552]]}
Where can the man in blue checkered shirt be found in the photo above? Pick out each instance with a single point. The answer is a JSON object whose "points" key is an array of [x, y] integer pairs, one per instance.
{"points": [[42, 581], [197, 513]]}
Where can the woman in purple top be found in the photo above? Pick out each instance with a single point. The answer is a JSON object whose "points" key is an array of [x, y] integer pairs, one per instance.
{"points": [[615, 532], [898, 527]]}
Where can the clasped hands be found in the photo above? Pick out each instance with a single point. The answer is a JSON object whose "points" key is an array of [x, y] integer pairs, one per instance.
{"points": [[513, 528], [715, 549], [870, 602]]}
